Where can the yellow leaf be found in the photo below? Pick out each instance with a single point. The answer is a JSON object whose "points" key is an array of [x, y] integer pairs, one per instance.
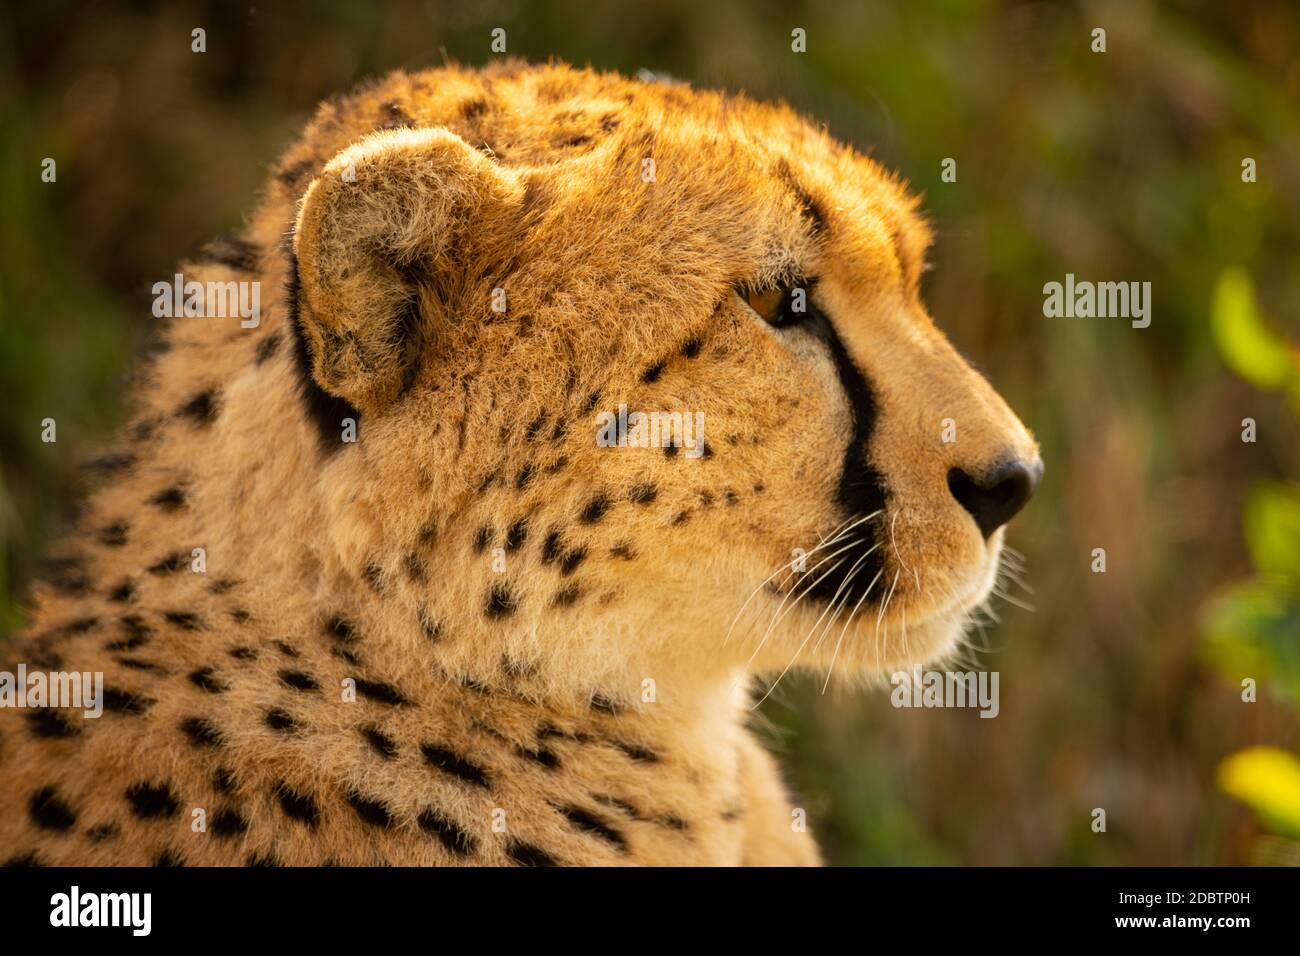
{"points": [[1267, 779]]}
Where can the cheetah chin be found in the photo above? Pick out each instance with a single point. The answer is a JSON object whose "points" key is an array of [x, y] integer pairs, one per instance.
{"points": [[367, 586]]}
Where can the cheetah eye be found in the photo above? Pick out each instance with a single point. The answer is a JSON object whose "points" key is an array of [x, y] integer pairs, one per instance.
{"points": [[780, 306]]}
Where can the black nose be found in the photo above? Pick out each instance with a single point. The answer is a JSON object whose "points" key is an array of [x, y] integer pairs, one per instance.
{"points": [[993, 499]]}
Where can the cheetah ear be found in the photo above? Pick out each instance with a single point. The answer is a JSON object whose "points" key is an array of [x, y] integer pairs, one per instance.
{"points": [[387, 232]]}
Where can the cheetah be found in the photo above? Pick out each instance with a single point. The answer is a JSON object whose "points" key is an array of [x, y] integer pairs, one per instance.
{"points": [[364, 583]]}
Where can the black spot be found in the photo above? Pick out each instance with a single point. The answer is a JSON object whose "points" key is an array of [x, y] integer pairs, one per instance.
{"points": [[379, 692], [547, 758], [374, 576], [482, 538], [50, 725], [298, 806], [602, 704], [618, 804], [670, 450], [49, 812], [595, 509], [262, 860], [101, 832], [382, 744], [653, 372], [298, 680], [588, 822], [681, 517], [548, 731], [240, 616], [535, 427], [204, 680], [551, 547], [500, 603], [222, 585], [267, 347], [113, 535], [429, 532], [644, 494], [590, 403], [231, 250], [227, 823], [112, 463], [324, 410], [451, 836], [125, 702], [122, 593], [169, 565], [566, 597], [622, 550], [431, 628], [286, 649], [572, 560], [341, 629], [135, 664], [370, 811], [223, 780], [278, 719], [201, 732], [636, 752], [416, 570], [525, 854], [169, 499], [524, 477], [243, 653], [185, 620], [517, 534], [455, 765], [691, 348], [202, 408], [168, 858], [66, 575], [152, 803]]}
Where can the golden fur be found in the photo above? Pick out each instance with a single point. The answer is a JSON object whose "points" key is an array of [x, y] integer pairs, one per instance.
{"points": [[540, 629]]}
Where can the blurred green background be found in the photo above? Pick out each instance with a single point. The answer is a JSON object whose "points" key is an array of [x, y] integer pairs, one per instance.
{"points": [[1121, 690]]}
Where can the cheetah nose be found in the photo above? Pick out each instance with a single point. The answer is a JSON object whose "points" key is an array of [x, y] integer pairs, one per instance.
{"points": [[995, 497]]}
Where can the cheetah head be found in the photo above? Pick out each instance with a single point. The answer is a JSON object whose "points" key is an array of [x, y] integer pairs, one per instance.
{"points": [[645, 378]]}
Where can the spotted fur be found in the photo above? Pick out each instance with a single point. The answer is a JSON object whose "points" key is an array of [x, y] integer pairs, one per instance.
{"points": [[472, 635]]}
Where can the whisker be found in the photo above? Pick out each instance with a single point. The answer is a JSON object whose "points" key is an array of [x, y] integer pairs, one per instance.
{"points": [[852, 614]]}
